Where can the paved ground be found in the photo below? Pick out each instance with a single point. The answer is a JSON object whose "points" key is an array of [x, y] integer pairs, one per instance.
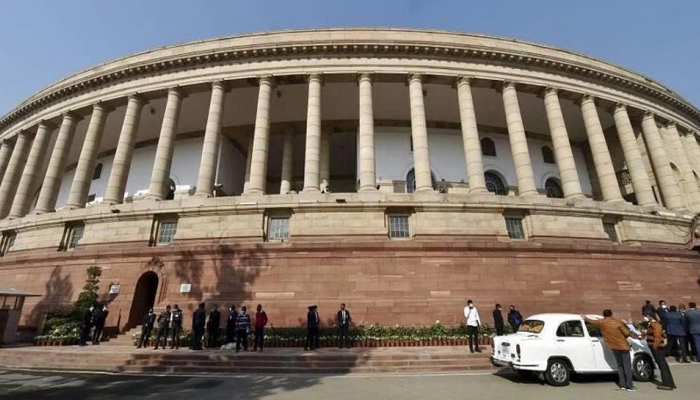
{"points": [[18, 385]]}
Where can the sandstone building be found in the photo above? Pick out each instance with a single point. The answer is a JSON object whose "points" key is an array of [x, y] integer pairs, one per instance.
{"points": [[398, 171]]}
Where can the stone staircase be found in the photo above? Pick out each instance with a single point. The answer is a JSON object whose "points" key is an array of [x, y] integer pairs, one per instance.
{"points": [[127, 359]]}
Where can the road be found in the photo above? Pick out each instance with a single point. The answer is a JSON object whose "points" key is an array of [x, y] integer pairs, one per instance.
{"points": [[19, 385]]}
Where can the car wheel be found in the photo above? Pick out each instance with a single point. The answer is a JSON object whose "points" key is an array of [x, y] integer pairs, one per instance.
{"points": [[558, 373], [643, 368]]}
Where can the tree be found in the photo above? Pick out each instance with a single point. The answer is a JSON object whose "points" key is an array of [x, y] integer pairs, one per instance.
{"points": [[88, 297]]}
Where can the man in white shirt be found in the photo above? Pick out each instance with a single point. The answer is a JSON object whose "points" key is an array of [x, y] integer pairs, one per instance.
{"points": [[471, 315]]}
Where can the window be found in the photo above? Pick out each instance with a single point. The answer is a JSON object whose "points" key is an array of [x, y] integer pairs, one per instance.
{"points": [[411, 180], [72, 235], [488, 147], [97, 172], [278, 228], [609, 228], [532, 326], [514, 225], [163, 229], [494, 184], [593, 331], [8, 240], [553, 189], [398, 227], [570, 329], [548, 155]]}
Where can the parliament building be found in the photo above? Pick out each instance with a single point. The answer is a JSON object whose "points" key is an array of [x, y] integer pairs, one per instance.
{"points": [[401, 172]]}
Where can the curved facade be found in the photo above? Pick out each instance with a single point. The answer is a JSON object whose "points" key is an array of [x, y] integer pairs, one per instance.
{"points": [[398, 171]]}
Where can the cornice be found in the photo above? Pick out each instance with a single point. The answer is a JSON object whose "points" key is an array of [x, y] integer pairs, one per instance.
{"points": [[307, 45]]}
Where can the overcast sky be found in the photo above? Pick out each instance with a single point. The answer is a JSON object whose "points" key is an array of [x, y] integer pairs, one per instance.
{"points": [[46, 40]]}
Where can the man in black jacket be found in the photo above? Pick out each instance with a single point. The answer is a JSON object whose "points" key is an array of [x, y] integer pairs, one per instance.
{"points": [[648, 310], [199, 319], [514, 318], [213, 327], [99, 317], [498, 320], [313, 323], [231, 324], [148, 321], [343, 319], [163, 327], [86, 325], [176, 327]]}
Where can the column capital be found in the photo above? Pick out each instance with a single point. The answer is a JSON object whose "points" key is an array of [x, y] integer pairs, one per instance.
{"points": [[137, 97], [102, 106], [219, 85], [508, 84], [314, 77], [415, 77], [620, 106], [46, 123], [364, 76], [671, 124], [71, 115], [550, 89], [177, 91], [464, 80]]}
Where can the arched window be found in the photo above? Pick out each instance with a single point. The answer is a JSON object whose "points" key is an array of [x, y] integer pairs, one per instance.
{"points": [[553, 188], [488, 147], [97, 172], [548, 155], [411, 181], [494, 183]]}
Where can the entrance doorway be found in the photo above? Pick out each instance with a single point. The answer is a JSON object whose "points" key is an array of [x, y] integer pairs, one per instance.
{"points": [[144, 298]]}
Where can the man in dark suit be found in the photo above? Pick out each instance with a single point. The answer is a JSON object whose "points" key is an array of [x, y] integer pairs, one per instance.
{"points": [[86, 325], [148, 322], [692, 317], [343, 319], [176, 327], [199, 319], [231, 324], [213, 327], [514, 318], [498, 320], [676, 331], [648, 310], [313, 323], [99, 317], [163, 327], [661, 312]]}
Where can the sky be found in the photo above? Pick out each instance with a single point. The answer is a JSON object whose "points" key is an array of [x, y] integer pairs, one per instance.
{"points": [[43, 41]]}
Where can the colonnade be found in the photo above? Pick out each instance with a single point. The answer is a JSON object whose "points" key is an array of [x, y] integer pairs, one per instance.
{"points": [[22, 174]]}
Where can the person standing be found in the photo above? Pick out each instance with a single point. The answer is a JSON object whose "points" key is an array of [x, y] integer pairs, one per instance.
{"points": [[676, 330], [648, 310], [213, 326], [242, 329], [98, 319], [473, 322], [231, 324], [343, 319], [260, 322], [514, 318], [656, 339], [148, 321], [313, 323], [86, 325], [498, 320], [661, 312], [615, 334], [176, 327], [199, 319], [692, 317], [163, 327]]}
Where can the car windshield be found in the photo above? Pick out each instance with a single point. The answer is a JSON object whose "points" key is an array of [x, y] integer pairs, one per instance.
{"points": [[532, 326]]}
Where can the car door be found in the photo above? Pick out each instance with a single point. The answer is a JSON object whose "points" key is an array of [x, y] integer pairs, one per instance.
{"points": [[573, 343], [605, 360]]}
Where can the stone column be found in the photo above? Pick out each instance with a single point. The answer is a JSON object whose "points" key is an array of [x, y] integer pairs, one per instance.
{"points": [[690, 144], [114, 194], [160, 175], [368, 178], [325, 163], [571, 184], [312, 159], [261, 139], [212, 141], [248, 158], [287, 163], [690, 185], [419, 134], [599, 150], [664, 174], [470, 137], [32, 172], [8, 187], [88, 157], [633, 157], [518, 141], [5, 153], [54, 172]]}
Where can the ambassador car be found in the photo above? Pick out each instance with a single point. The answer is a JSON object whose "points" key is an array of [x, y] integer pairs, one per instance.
{"points": [[556, 345]]}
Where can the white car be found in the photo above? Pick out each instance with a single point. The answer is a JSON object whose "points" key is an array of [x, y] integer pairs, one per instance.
{"points": [[557, 345]]}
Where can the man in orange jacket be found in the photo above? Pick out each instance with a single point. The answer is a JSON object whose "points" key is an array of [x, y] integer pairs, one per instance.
{"points": [[615, 333]]}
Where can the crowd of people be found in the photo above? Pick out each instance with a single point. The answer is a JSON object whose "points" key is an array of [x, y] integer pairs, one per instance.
{"points": [[93, 324]]}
